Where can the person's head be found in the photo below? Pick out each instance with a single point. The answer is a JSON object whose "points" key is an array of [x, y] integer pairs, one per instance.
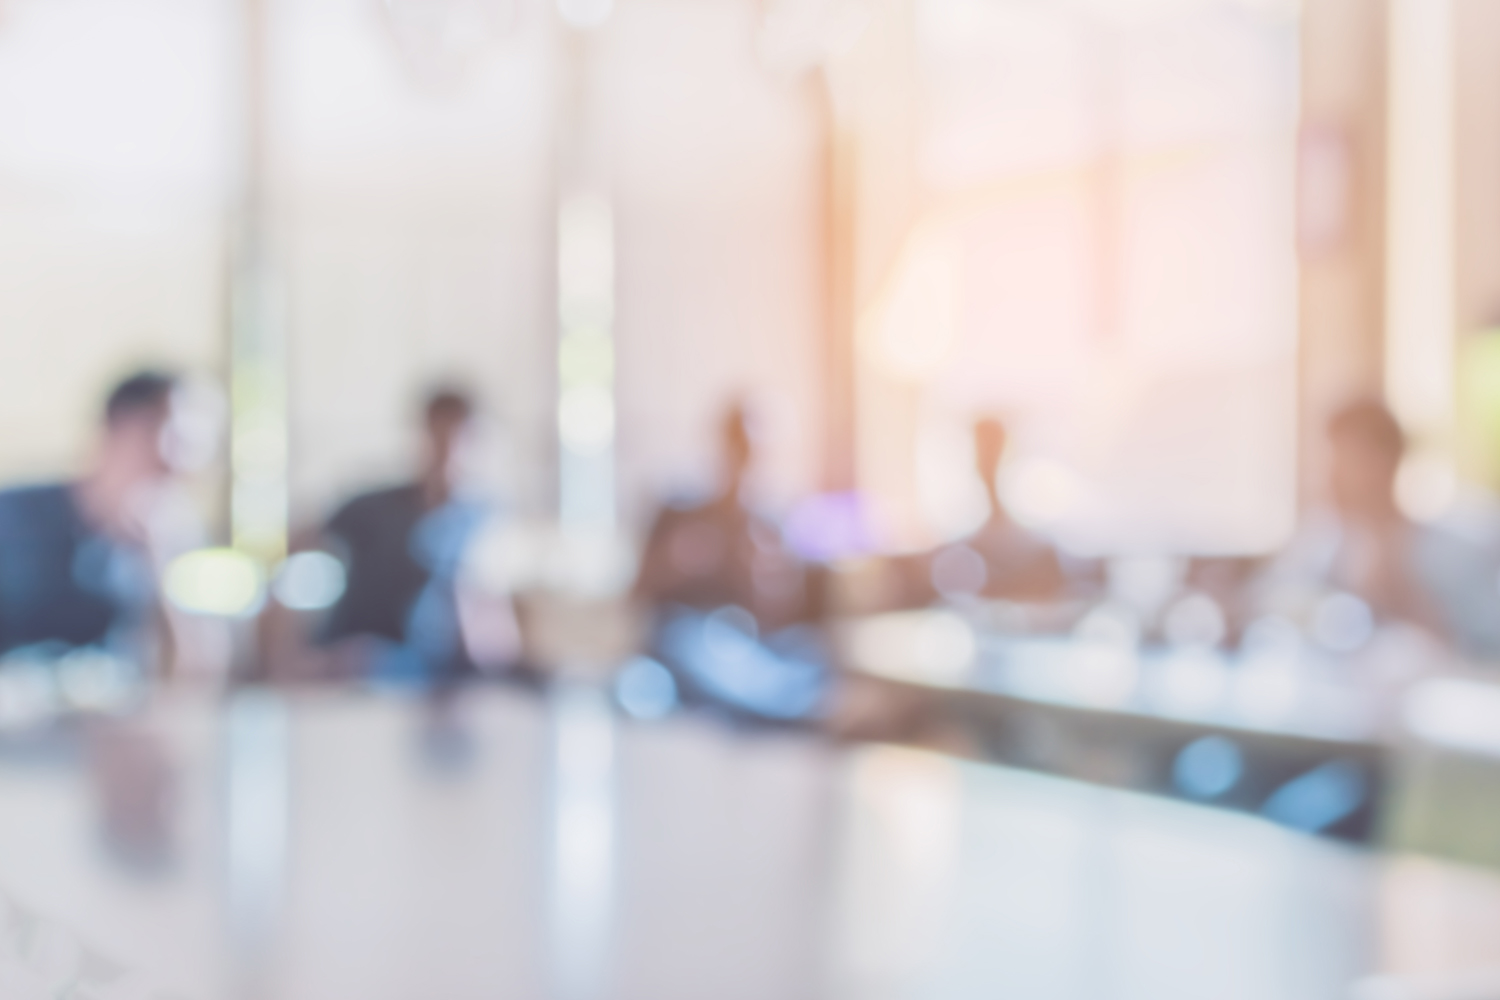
{"points": [[446, 417], [136, 413], [1367, 448], [990, 438], [737, 445]]}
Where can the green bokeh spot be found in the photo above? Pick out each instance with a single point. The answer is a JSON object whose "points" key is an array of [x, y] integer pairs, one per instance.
{"points": [[1479, 404]]}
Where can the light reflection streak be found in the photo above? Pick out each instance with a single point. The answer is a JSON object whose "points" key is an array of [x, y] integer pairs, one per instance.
{"points": [[586, 399], [583, 841], [256, 827], [1419, 345], [892, 927]]}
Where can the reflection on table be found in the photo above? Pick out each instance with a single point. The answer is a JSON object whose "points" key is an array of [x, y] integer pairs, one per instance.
{"points": [[1278, 727], [331, 845]]}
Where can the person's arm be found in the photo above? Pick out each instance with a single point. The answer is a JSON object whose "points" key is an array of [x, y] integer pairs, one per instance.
{"points": [[655, 575]]}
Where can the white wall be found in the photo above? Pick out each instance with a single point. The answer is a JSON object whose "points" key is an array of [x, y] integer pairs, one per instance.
{"points": [[412, 227], [113, 143], [716, 179]]}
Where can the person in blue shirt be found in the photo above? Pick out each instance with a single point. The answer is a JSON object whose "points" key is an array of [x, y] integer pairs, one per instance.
{"points": [[721, 551], [729, 604], [75, 557]]}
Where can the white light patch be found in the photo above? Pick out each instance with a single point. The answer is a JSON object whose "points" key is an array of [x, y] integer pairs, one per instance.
{"points": [[1342, 623], [586, 420], [645, 689], [1041, 493], [582, 877], [215, 582], [1419, 307], [913, 328], [1426, 486], [1455, 713], [309, 581], [585, 360], [585, 13], [257, 820]]}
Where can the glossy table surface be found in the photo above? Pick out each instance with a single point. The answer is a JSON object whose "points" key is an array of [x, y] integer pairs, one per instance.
{"points": [[1281, 685], [335, 845]]}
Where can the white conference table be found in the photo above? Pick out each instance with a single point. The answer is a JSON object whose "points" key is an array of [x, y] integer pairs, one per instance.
{"points": [[337, 845], [1296, 692], [1122, 715]]}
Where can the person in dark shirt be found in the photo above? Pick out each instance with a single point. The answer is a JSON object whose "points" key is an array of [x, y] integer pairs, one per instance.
{"points": [[402, 548], [75, 561]]}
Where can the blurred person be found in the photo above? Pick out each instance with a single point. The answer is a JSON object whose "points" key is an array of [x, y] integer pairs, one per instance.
{"points": [[1364, 545], [1017, 564], [79, 560], [729, 601], [405, 615], [721, 552], [1376, 553], [80, 564]]}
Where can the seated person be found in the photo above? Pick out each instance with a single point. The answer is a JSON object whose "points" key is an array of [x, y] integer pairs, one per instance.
{"points": [[1017, 565], [720, 553], [1363, 544], [77, 559], [728, 600], [402, 614]]}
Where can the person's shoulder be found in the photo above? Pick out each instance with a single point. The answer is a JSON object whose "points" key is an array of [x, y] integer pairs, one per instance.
{"points": [[36, 492], [1005, 534], [36, 498], [377, 501], [36, 508]]}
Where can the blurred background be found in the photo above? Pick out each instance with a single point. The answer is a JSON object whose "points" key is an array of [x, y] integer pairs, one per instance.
{"points": [[1160, 237], [873, 400]]}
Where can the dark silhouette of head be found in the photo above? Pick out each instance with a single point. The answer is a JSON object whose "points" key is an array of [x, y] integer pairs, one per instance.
{"points": [[446, 417], [1367, 447], [738, 446], [145, 393], [990, 439], [136, 413]]}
